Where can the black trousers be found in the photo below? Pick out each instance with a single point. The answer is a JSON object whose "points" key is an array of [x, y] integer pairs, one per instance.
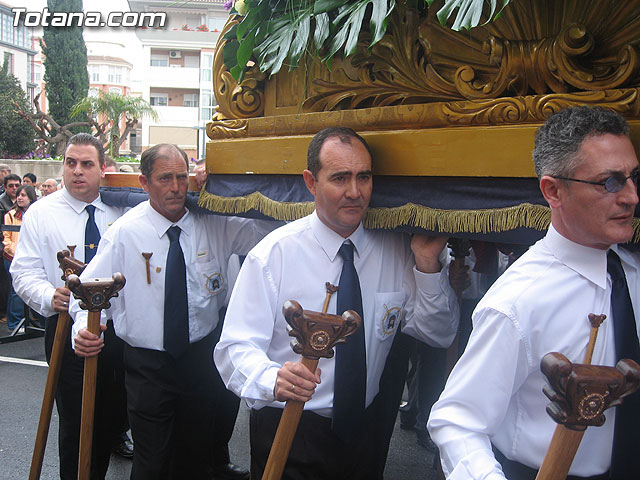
{"points": [[170, 404], [226, 411], [110, 409], [317, 453]]}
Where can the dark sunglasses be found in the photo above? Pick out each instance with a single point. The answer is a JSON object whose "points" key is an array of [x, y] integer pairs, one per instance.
{"points": [[612, 184]]}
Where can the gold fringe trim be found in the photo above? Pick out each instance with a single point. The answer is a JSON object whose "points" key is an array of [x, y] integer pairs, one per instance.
{"points": [[505, 219], [255, 201], [460, 221]]}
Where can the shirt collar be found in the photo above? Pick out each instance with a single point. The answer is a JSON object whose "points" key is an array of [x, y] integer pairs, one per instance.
{"points": [[588, 262], [331, 241], [78, 205], [161, 223]]}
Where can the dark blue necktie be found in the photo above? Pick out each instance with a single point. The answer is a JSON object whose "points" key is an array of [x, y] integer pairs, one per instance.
{"points": [[91, 234], [349, 394], [625, 460], [176, 307]]}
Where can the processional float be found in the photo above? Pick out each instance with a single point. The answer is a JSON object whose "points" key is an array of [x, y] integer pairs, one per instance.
{"points": [[450, 118]]}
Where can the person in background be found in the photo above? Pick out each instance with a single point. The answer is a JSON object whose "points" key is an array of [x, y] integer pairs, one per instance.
{"points": [[111, 165], [29, 179], [49, 186], [4, 171], [25, 196], [8, 198]]}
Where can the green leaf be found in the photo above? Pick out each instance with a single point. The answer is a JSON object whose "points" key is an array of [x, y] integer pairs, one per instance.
{"points": [[321, 32], [230, 55], [275, 47], [246, 49], [469, 12], [248, 23], [300, 41], [349, 24], [380, 18], [323, 6]]}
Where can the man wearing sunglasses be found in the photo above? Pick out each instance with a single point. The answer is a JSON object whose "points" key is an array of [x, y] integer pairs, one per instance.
{"points": [[490, 421]]}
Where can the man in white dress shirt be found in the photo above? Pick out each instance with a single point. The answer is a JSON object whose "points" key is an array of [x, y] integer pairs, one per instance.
{"points": [[167, 327], [588, 174], [50, 225], [254, 356]]}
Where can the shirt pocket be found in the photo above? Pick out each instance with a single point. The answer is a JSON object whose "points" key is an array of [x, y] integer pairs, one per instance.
{"points": [[388, 311], [210, 278]]}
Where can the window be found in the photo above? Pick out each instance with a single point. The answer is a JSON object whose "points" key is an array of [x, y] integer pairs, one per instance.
{"points": [[216, 23], [159, 60], [115, 74], [37, 73], [190, 99], [206, 64], [115, 90], [8, 59], [191, 61], [94, 73], [7, 28], [159, 99]]}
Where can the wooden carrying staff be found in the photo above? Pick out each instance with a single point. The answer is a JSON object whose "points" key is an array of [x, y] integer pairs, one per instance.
{"points": [[316, 333], [94, 296], [579, 394], [69, 266]]}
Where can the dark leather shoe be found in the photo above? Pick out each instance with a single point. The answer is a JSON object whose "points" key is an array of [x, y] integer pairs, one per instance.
{"points": [[230, 472], [123, 446]]}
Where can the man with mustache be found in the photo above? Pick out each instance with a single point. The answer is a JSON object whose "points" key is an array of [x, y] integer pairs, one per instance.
{"points": [[166, 314], [395, 276], [490, 422], [50, 225]]}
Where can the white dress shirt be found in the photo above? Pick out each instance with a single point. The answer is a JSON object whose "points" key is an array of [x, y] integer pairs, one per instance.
{"points": [[50, 225], [207, 242], [293, 263], [494, 394]]}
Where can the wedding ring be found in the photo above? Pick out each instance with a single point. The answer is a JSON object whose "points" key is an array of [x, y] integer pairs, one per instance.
{"points": [[293, 388]]}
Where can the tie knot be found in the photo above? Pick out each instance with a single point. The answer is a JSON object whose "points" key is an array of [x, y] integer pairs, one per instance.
{"points": [[174, 233], [614, 266], [91, 210], [346, 251]]}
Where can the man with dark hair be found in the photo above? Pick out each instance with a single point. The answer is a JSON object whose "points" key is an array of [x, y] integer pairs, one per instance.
{"points": [[388, 278], [29, 179], [8, 198], [490, 421], [170, 316], [76, 216]]}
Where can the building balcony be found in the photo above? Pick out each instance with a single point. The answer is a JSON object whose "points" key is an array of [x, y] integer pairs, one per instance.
{"points": [[176, 116], [173, 77], [177, 38]]}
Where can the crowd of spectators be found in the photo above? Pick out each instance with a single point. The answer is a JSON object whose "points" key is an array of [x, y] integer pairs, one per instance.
{"points": [[16, 195]]}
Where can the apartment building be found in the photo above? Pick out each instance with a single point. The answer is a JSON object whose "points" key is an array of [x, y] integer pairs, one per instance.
{"points": [[176, 73], [17, 50]]}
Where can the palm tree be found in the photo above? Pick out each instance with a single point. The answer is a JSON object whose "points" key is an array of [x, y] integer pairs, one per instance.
{"points": [[111, 109]]}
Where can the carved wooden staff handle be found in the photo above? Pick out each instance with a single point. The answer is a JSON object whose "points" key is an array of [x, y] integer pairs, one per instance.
{"points": [[315, 336], [68, 265], [94, 296], [565, 442]]}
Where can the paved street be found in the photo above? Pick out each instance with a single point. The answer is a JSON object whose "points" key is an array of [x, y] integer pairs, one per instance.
{"points": [[22, 378]]}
